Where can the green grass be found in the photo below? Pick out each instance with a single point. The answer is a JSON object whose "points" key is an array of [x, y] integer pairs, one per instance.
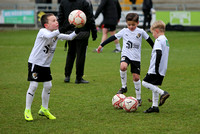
{"points": [[87, 108]]}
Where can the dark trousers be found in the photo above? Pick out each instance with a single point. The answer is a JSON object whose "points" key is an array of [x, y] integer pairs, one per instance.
{"points": [[147, 18], [76, 50]]}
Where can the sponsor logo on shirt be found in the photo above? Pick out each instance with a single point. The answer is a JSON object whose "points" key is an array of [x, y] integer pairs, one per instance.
{"points": [[136, 46], [46, 50]]}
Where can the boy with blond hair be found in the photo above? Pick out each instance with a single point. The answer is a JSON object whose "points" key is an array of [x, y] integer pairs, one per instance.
{"points": [[158, 66]]}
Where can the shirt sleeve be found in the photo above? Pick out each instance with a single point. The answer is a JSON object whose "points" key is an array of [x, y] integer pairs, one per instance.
{"points": [[145, 35], [157, 45], [49, 35], [120, 34], [67, 36], [100, 8]]}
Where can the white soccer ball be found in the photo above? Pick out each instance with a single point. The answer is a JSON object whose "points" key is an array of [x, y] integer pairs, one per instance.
{"points": [[77, 18], [130, 104], [117, 100]]}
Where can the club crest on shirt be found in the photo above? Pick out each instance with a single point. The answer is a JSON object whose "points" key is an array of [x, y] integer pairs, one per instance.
{"points": [[35, 75], [138, 35], [54, 39]]}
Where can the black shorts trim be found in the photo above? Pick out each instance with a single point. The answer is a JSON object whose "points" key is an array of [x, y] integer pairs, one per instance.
{"points": [[110, 27], [38, 73], [154, 79], [135, 65]]}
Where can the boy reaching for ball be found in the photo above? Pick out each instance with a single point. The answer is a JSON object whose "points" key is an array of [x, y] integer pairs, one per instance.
{"points": [[131, 52], [39, 63], [158, 66]]}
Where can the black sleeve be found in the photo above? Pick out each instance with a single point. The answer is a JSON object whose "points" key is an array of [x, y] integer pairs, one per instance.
{"points": [[119, 10], [151, 4], [60, 17], [63, 22], [150, 41], [110, 39], [100, 8], [158, 58]]}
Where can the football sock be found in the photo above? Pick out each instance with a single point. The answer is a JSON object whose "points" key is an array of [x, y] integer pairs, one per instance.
{"points": [[152, 87], [46, 93], [30, 94], [155, 98], [118, 46], [123, 75], [137, 89]]}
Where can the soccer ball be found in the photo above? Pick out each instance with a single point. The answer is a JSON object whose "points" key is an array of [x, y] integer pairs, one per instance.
{"points": [[117, 100], [77, 18], [130, 104]]}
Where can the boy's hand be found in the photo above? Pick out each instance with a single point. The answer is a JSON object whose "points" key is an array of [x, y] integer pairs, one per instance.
{"points": [[66, 28], [77, 30], [99, 49]]}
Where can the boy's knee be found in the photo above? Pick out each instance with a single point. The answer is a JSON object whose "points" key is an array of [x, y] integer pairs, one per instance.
{"points": [[136, 77], [47, 85], [123, 68], [32, 87]]}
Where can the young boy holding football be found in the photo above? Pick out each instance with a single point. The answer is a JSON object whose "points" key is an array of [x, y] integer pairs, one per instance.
{"points": [[158, 66], [131, 52], [39, 63]]}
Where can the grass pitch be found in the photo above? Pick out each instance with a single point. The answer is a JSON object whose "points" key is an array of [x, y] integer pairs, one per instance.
{"points": [[87, 108]]}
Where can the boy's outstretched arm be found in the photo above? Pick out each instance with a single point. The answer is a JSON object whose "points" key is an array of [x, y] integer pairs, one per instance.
{"points": [[150, 41], [110, 39], [69, 36]]}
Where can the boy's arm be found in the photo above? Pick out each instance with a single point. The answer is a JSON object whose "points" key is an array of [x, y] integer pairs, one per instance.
{"points": [[150, 41], [100, 8], [158, 58], [51, 35], [69, 36], [110, 39]]}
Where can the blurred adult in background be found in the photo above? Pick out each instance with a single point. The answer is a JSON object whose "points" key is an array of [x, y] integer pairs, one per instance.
{"points": [[111, 11], [133, 2], [146, 8], [43, 2], [58, 1], [77, 48]]}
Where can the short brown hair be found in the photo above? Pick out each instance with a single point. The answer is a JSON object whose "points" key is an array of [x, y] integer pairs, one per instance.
{"points": [[132, 17], [44, 18], [158, 24]]}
